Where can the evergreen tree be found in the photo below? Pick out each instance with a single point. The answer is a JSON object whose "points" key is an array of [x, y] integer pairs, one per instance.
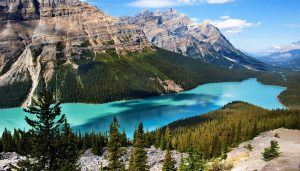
{"points": [[167, 139], [79, 141], [162, 145], [17, 143], [168, 164], [96, 144], [45, 130], [194, 161], [25, 142], [147, 139], [1, 146], [138, 161], [272, 151], [49, 148], [114, 147], [157, 138], [7, 141], [68, 153], [124, 139]]}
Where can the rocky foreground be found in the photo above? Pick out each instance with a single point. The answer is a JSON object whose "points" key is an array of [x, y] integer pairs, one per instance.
{"points": [[90, 162], [289, 159], [240, 158]]}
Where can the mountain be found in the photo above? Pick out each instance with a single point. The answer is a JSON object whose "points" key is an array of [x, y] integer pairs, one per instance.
{"points": [[285, 48], [84, 55], [37, 37], [287, 59], [174, 31]]}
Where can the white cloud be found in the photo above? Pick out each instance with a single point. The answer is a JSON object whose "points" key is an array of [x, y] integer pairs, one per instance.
{"points": [[169, 3], [232, 26]]}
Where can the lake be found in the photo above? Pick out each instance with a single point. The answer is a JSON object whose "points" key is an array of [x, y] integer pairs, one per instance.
{"points": [[157, 111]]}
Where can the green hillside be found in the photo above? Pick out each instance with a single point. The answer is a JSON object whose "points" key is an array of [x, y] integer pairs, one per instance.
{"points": [[105, 77], [214, 133]]}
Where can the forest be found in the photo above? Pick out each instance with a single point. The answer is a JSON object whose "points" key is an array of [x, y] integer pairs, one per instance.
{"points": [[106, 77]]}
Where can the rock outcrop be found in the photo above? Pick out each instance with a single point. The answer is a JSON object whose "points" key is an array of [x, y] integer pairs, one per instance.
{"points": [[289, 159]]}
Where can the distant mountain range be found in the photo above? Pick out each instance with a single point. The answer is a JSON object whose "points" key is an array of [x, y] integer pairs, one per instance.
{"points": [[65, 43], [285, 57]]}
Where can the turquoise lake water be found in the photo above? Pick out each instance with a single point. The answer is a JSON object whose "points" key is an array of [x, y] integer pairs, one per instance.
{"points": [[157, 111]]}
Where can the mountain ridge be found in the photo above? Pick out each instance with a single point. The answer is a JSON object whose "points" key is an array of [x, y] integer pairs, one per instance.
{"points": [[174, 31]]}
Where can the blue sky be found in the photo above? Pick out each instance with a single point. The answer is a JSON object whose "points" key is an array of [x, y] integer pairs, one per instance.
{"points": [[250, 25]]}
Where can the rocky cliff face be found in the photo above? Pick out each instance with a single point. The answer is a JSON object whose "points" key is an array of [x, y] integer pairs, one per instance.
{"points": [[175, 32], [37, 35]]}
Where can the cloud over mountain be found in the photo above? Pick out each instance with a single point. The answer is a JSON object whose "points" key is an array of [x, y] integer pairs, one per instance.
{"points": [[232, 26]]}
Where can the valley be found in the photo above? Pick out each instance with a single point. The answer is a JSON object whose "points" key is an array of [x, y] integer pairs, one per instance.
{"points": [[157, 111]]}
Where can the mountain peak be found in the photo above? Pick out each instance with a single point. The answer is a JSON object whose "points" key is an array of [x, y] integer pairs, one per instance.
{"points": [[175, 31]]}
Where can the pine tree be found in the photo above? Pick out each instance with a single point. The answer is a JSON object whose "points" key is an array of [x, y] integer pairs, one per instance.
{"points": [[7, 141], [16, 139], [167, 139], [162, 145], [138, 161], [68, 153], [1, 146], [194, 161], [147, 139], [79, 141], [49, 148], [124, 139], [114, 147], [45, 130], [168, 164], [157, 138], [272, 151], [96, 144]]}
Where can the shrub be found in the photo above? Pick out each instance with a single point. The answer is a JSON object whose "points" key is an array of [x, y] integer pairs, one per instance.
{"points": [[272, 151]]}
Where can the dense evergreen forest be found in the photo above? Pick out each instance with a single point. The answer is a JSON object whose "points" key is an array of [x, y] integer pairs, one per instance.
{"points": [[14, 94], [213, 134], [105, 77]]}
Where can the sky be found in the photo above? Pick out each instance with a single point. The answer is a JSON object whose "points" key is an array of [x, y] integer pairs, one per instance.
{"points": [[253, 26]]}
